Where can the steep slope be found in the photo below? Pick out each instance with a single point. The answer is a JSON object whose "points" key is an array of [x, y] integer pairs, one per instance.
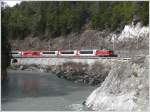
{"points": [[126, 88], [132, 37]]}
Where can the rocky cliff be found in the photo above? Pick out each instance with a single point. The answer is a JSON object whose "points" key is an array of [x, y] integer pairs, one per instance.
{"points": [[126, 88]]}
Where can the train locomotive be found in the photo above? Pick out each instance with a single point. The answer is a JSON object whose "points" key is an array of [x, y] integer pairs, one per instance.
{"points": [[64, 53]]}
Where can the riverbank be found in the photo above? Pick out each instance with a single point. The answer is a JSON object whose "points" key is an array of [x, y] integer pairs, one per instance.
{"points": [[86, 71], [92, 72]]}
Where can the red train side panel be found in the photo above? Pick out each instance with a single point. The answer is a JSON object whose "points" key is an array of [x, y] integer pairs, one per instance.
{"points": [[104, 53]]}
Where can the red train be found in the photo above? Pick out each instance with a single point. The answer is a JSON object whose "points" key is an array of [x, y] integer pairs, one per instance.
{"points": [[65, 53]]}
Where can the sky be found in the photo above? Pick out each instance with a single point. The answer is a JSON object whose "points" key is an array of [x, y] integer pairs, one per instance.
{"points": [[12, 3]]}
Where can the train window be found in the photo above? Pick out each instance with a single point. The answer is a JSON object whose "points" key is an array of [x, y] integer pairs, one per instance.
{"points": [[14, 53], [67, 52], [51, 52], [86, 52]]}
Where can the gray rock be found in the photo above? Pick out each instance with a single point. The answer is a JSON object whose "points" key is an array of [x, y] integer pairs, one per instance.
{"points": [[21, 67]]}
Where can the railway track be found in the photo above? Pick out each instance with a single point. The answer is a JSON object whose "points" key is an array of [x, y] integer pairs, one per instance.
{"points": [[84, 57]]}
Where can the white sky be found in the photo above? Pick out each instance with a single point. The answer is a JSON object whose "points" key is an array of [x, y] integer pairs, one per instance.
{"points": [[12, 3]]}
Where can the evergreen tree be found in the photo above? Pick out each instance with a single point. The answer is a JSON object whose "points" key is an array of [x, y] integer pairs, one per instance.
{"points": [[53, 18]]}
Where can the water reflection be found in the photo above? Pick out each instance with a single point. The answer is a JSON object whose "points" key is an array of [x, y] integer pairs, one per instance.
{"points": [[46, 91], [30, 87]]}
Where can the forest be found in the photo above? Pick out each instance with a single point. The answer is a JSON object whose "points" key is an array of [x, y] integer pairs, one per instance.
{"points": [[50, 19]]}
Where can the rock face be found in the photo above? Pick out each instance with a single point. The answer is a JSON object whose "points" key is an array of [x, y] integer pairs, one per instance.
{"points": [[133, 37], [134, 31], [126, 88], [5, 58], [83, 73]]}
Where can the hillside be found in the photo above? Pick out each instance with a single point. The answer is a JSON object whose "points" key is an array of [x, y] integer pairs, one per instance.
{"points": [[48, 20], [128, 39]]}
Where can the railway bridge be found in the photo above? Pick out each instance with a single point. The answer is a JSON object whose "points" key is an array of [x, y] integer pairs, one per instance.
{"points": [[60, 57]]}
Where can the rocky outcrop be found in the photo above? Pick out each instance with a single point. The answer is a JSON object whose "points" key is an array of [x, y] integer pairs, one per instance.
{"points": [[134, 31], [83, 73], [126, 88]]}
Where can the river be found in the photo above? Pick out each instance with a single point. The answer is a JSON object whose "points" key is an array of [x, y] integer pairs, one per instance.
{"points": [[33, 91]]}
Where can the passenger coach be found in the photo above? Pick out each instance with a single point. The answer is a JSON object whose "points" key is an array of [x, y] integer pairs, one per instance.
{"points": [[64, 53]]}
